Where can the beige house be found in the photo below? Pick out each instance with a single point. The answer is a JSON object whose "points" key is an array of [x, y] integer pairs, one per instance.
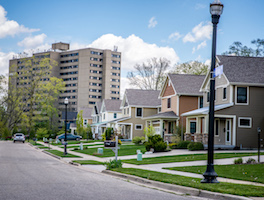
{"points": [[136, 105], [179, 94], [239, 108]]}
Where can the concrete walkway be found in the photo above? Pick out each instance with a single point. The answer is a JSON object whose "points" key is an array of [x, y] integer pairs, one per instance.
{"points": [[159, 167]]}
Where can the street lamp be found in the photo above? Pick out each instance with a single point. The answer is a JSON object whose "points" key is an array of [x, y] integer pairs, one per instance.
{"points": [[66, 101], [216, 9]]}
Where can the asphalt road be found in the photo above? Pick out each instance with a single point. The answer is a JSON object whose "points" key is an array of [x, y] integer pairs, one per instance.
{"points": [[26, 173]]}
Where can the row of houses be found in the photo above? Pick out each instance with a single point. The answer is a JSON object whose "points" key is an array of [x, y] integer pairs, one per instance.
{"points": [[183, 102]]}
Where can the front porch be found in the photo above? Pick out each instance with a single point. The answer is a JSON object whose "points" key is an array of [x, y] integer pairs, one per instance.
{"points": [[164, 124]]}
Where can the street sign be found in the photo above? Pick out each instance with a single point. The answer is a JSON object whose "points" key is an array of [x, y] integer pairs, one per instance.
{"points": [[218, 71]]}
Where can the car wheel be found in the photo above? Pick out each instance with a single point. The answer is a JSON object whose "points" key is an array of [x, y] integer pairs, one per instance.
{"points": [[23, 141], [78, 139], [14, 141]]}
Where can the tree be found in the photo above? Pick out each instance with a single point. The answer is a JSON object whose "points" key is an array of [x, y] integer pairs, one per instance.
{"points": [[149, 75], [79, 123], [238, 49], [192, 67], [31, 89]]}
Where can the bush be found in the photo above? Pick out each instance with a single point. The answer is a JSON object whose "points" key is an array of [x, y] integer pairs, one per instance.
{"points": [[149, 131], [193, 146], [108, 133], [113, 164], [251, 161], [156, 142], [138, 140], [238, 161], [183, 144], [173, 145]]}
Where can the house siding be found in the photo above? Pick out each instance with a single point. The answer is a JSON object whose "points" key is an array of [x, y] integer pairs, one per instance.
{"points": [[255, 110], [186, 104], [169, 90], [173, 107]]}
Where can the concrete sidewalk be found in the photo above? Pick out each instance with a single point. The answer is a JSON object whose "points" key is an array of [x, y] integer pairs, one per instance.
{"points": [[159, 167]]}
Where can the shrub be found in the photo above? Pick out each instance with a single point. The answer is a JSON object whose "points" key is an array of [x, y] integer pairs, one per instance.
{"points": [[193, 146], [251, 161], [108, 133], [138, 140], [175, 139], [103, 137], [113, 164], [156, 142], [149, 131], [238, 161], [183, 144], [173, 145], [76, 148]]}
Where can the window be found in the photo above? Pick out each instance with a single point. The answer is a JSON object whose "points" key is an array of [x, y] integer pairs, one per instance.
{"points": [[224, 93], [114, 115], [208, 96], [115, 56], [242, 95], [244, 122], [170, 127], [201, 102], [217, 127], [128, 111], [168, 102], [139, 112], [193, 127], [138, 127], [85, 121], [104, 116], [124, 111]]}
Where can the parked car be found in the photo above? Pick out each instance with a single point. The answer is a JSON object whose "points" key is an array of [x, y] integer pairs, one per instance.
{"points": [[69, 137], [19, 137]]}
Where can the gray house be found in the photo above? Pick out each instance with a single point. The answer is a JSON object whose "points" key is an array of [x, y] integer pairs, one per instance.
{"points": [[239, 104]]}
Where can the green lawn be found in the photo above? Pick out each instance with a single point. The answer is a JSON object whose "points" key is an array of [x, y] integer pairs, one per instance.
{"points": [[43, 147], [88, 162], [61, 154], [184, 158], [246, 172], [35, 143], [78, 142], [228, 188], [123, 151], [79, 146]]}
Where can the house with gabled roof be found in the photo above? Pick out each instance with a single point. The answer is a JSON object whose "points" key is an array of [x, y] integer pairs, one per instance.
{"points": [[107, 110], [239, 108], [136, 105], [180, 93]]}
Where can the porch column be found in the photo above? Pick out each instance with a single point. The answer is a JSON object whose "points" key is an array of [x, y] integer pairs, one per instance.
{"points": [[206, 121], [161, 128], [198, 125], [187, 125]]}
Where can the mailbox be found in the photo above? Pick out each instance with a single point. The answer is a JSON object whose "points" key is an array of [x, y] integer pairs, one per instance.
{"points": [[109, 143]]}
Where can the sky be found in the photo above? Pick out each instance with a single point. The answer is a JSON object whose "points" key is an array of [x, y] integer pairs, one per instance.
{"points": [[179, 30]]}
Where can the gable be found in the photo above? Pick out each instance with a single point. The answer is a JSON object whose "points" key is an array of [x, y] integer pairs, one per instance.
{"points": [[168, 90]]}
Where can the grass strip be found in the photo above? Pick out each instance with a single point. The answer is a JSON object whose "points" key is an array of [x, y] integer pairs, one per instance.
{"points": [[75, 146], [186, 157], [245, 172], [43, 147], [88, 162], [227, 188], [78, 142], [35, 143], [61, 154], [123, 151]]}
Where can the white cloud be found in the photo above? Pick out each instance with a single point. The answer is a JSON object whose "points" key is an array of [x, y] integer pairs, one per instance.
{"points": [[4, 62], [11, 27], [200, 6], [134, 49], [152, 22], [208, 62], [175, 36], [202, 31], [33, 41], [199, 46]]}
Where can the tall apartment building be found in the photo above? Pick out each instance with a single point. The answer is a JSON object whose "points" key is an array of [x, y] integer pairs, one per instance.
{"points": [[90, 74]]}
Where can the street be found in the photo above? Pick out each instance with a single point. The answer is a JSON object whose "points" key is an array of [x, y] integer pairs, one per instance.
{"points": [[26, 173]]}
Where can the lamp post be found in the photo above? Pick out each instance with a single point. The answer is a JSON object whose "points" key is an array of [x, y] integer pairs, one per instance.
{"points": [[66, 101], [216, 9]]}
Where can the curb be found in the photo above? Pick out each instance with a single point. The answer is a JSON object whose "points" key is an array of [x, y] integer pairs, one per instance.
{"points": [[76, 164], [58, 157], [177, 188]]}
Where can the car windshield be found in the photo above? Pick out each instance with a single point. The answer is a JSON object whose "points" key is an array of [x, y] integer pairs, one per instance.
{"points": [[18, 135]]}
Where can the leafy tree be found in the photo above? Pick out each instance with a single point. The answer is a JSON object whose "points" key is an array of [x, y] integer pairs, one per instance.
{"points": [[108, 133], [238, 49], [192, 67], [149, 131], [42, 132], [149, 75], [88, 132], [79, 123]]}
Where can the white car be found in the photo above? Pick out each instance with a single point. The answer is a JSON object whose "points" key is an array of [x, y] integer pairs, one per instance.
{"points": [[19, 137]]}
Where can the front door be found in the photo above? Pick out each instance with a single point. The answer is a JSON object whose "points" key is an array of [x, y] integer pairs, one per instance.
{"points": [[228, 132]]}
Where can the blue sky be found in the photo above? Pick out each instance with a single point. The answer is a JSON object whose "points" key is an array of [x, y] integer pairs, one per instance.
{"points": [[177, 29]]}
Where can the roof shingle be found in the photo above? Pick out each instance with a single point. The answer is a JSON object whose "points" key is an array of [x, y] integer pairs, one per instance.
{"points": [[138, 97]]}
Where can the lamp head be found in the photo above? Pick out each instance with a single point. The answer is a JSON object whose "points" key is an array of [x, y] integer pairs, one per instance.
{"points": [[216, 8], [66, 101]]}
